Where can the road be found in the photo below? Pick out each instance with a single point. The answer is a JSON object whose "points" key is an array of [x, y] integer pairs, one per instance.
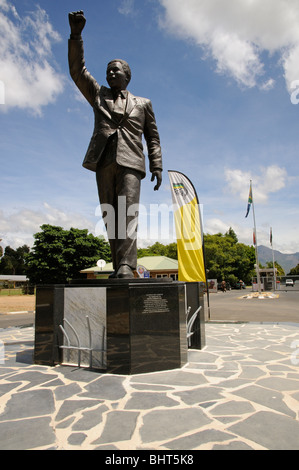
{"points": [[228, 306], [9, 320], [9, 304]]}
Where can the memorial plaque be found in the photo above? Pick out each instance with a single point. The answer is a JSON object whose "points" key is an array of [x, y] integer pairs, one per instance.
{"points": [[155, 303]]}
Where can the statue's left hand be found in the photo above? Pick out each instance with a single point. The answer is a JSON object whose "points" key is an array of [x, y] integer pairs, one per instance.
{"points": [[157, 174]]}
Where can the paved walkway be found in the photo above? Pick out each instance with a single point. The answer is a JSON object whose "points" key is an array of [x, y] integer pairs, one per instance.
{"points": [[240, 392]]}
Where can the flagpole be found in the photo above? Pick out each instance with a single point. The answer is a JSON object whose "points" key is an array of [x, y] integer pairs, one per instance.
{"points": [[256, 249], [204, 257], [274, 270]]}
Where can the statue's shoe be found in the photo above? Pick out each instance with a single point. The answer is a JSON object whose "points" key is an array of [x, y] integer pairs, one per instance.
{"points": [[124, 272]]}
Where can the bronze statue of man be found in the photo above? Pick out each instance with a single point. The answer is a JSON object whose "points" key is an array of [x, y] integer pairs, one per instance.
{"points": [[115, 152]]}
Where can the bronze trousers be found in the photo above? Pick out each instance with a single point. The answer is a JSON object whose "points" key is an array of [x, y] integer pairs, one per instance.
{"points": [[119, 194]]}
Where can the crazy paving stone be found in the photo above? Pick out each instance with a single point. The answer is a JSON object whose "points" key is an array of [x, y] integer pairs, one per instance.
{"points": [[70, 407], [28, 404], [119, 426], [268, 398], [77, 438], [280, 383], [172, 423], [233, 408], [66, 391], [90, 419], [26, 434], [199, 394], [270, 430], [105, 388], [144, 401], [197, 439]]}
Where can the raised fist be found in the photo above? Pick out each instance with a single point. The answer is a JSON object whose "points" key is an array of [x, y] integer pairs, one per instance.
{"points": [[77, 22]]}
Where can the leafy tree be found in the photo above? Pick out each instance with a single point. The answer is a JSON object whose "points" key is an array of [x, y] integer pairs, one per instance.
{"points": [[226, 259], [232, 235], [13, 261], [280, 270], [294, 271], [172, 251], [59, 255], [158, 249]]}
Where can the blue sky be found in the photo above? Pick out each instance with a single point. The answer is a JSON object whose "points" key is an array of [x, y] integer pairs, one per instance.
{"points": [[223, 79]]}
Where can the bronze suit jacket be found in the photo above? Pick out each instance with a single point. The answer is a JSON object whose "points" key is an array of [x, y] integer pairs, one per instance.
{"points": [[138, 120]]}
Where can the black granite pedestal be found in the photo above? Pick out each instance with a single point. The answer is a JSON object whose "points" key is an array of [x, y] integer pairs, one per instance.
{"points": [[195, 305], [146, 327], [136, 326], [49, 311]]}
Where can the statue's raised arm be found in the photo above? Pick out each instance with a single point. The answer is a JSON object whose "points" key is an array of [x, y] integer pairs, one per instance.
{"points": [[77, 22], [82, 78]]}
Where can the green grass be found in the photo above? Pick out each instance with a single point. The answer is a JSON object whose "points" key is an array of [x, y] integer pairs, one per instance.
{"points": [[11, 291]]}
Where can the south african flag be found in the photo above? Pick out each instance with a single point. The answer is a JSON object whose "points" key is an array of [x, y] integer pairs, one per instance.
{"points": [[249, 201]]}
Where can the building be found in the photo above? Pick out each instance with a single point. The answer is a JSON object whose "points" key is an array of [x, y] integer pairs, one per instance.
{"points": [[12, 281], [157, 267], [266, 278]]}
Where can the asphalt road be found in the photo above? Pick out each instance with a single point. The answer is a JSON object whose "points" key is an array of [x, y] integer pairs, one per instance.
{"points": [[9, 320], [228, 306]]}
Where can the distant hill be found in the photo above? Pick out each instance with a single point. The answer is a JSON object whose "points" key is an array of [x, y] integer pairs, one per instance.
{"points": [[287, 262]]}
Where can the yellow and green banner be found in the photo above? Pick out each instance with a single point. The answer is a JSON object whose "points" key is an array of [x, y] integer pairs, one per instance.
{"points": [[188, 228]]}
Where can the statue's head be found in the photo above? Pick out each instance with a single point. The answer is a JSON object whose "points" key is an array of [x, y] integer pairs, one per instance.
{"points": [[118, 74]]}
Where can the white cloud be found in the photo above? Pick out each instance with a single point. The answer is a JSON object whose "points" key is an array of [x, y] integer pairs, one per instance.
{"points": [[270, 180], [236, 32], [27, 68], [291, 66], [127, 7], [17, 228], [215, 225]]}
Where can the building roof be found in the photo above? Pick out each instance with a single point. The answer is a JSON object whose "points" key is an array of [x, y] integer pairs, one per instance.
{"points": [[267, 270], [151, 263], [11, 277]]}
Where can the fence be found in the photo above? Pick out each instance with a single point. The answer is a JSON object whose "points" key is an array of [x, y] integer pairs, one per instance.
{"points": [[26, 289]]}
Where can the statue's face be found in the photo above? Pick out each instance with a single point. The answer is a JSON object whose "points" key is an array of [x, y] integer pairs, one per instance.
{"points": [[116, 76]]}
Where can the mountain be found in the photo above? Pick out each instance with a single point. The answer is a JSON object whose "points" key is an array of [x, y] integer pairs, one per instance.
{"points": [[287, 262]]}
